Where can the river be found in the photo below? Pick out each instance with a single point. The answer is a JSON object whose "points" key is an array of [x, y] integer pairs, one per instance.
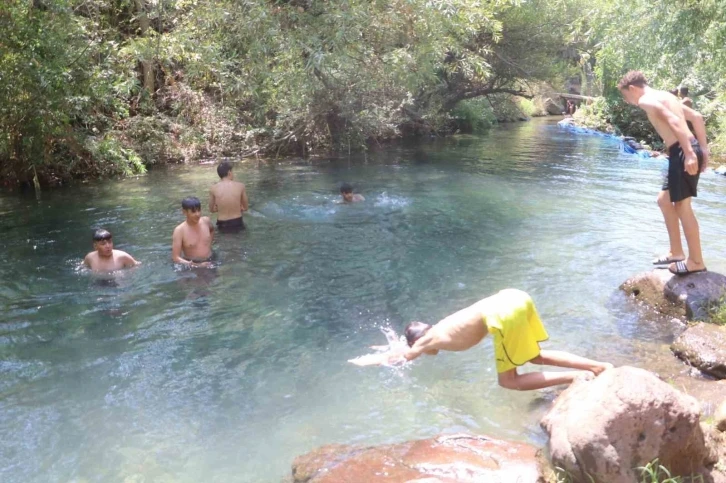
{"points": [[164, 375]]}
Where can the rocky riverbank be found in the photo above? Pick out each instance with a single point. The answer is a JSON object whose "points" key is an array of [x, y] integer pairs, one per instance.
{"points": [[600, 429]]}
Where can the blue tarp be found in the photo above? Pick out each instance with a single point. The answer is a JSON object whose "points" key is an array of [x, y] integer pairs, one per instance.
{"points": [[624, 148]]}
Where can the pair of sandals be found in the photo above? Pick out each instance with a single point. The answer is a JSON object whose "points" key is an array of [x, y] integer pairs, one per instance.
{"points": [[681, 267]]}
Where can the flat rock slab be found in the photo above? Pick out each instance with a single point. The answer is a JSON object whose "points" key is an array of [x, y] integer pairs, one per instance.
{"points": [[703, 346], [446, 459], [686, 296]]}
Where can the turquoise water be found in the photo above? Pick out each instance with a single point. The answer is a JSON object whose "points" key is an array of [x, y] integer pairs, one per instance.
{"points": [[166, 376]]}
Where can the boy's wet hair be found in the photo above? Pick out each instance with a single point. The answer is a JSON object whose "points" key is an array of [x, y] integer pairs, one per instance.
{"points": [[191, 203], [346, 188], [414, 331], [101, 234], [633, 78], [684, 91], [224, 168]]}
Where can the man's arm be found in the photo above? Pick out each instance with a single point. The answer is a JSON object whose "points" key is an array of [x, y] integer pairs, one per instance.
{"points": [[699, 126], [210, 225], [176, 248], [659, 110], [244, 202], [128, 260], [212, 201]]}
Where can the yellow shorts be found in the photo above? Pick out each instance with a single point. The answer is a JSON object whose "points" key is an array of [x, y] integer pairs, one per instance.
{"points": [[512, 319]]}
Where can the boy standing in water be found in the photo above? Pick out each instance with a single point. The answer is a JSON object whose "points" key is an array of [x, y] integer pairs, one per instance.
{"points": [[687, 157], [193, 238], [105, 258], [228, 199], [346, 191], [512, 319]]}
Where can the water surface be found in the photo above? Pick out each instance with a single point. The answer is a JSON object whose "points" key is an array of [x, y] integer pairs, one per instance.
{"points": [[175, 376]]}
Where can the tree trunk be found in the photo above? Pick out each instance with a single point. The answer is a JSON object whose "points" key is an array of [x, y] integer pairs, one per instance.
{"points": [[147, 68]]}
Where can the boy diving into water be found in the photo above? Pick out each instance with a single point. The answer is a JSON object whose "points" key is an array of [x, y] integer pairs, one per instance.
{"points": [[512, 319]]}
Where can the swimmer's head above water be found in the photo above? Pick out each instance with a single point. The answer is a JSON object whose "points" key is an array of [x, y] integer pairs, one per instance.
{"points": [[346, 191], [192, 208], [103, 242]]}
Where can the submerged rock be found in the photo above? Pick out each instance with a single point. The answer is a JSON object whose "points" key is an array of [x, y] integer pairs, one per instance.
{"points": [[625, 418], [679, 296], [703, 346], [446, 458]]}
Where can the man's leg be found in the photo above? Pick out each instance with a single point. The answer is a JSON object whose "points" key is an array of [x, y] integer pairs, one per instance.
{"points": [[536, 380], [565, 359], [688, 219], [671, 221]]}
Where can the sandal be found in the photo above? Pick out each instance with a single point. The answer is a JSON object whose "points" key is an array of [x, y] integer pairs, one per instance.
{"points": [[682, 269], [666, 260]]}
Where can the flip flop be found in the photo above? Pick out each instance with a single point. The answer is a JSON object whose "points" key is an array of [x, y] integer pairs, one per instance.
{"points": [[666, 260], [682, 269]]}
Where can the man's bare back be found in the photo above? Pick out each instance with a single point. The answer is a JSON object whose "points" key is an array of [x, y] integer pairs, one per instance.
{"points": [[651, 98], [228, 199]]}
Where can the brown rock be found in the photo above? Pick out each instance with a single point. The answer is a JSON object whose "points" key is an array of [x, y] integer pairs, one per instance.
{"points": [[625, 418], [677, 296], [553, 107], [719, 416], [445, 459], [703, 346]]}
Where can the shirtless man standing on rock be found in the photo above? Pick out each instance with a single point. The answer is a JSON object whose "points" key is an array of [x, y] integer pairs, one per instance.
{"points": [[193, 238], [687, 157], [228, 199]]}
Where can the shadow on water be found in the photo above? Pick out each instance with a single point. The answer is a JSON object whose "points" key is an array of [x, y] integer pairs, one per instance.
{"points": [[160, 374]]}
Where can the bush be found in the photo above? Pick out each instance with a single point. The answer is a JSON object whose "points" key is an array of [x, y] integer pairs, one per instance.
{"points": [[473, 115]]}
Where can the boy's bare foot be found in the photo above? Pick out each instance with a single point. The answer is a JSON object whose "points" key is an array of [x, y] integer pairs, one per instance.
{"points": [[603, 366]]}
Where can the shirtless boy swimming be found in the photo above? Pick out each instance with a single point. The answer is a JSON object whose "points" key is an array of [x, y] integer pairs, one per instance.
{"points": [[191, 242], [104, 258], [511, 318]]}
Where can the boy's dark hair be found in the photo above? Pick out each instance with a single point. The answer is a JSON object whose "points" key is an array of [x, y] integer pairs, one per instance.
{"points": [[632, 78], [101, 234], [224, 168], [346, 188], [191, 203], [684, 91], [674, 92], [414, 331]]}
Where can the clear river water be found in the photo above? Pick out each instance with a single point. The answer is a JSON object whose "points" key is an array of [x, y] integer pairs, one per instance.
{"points": [[164, 375]]}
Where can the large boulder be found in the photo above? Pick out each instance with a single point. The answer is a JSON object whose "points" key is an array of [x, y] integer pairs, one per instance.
{"points": [[680, 296], [448, 458], [703, 346], [623, 419], [553, 107]]}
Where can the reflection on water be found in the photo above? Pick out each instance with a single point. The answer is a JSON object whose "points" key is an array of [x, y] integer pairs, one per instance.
{"points": [[227, 374]]}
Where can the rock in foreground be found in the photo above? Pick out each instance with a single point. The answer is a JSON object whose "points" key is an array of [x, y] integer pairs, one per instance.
{"points": [[623, 419], [703, 346], [445, 459]]}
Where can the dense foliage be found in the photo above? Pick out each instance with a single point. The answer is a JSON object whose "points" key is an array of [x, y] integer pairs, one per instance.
{"points": [[103, 87]]}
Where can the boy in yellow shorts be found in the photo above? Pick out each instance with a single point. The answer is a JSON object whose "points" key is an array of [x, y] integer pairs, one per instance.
{"points": [[512, 319]]}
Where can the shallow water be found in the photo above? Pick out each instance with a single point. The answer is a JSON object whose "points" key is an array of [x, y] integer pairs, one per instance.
{"points": [[168, 376]]}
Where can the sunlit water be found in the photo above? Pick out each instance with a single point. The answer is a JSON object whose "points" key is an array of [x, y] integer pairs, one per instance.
{"points": [[167, 376]]}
